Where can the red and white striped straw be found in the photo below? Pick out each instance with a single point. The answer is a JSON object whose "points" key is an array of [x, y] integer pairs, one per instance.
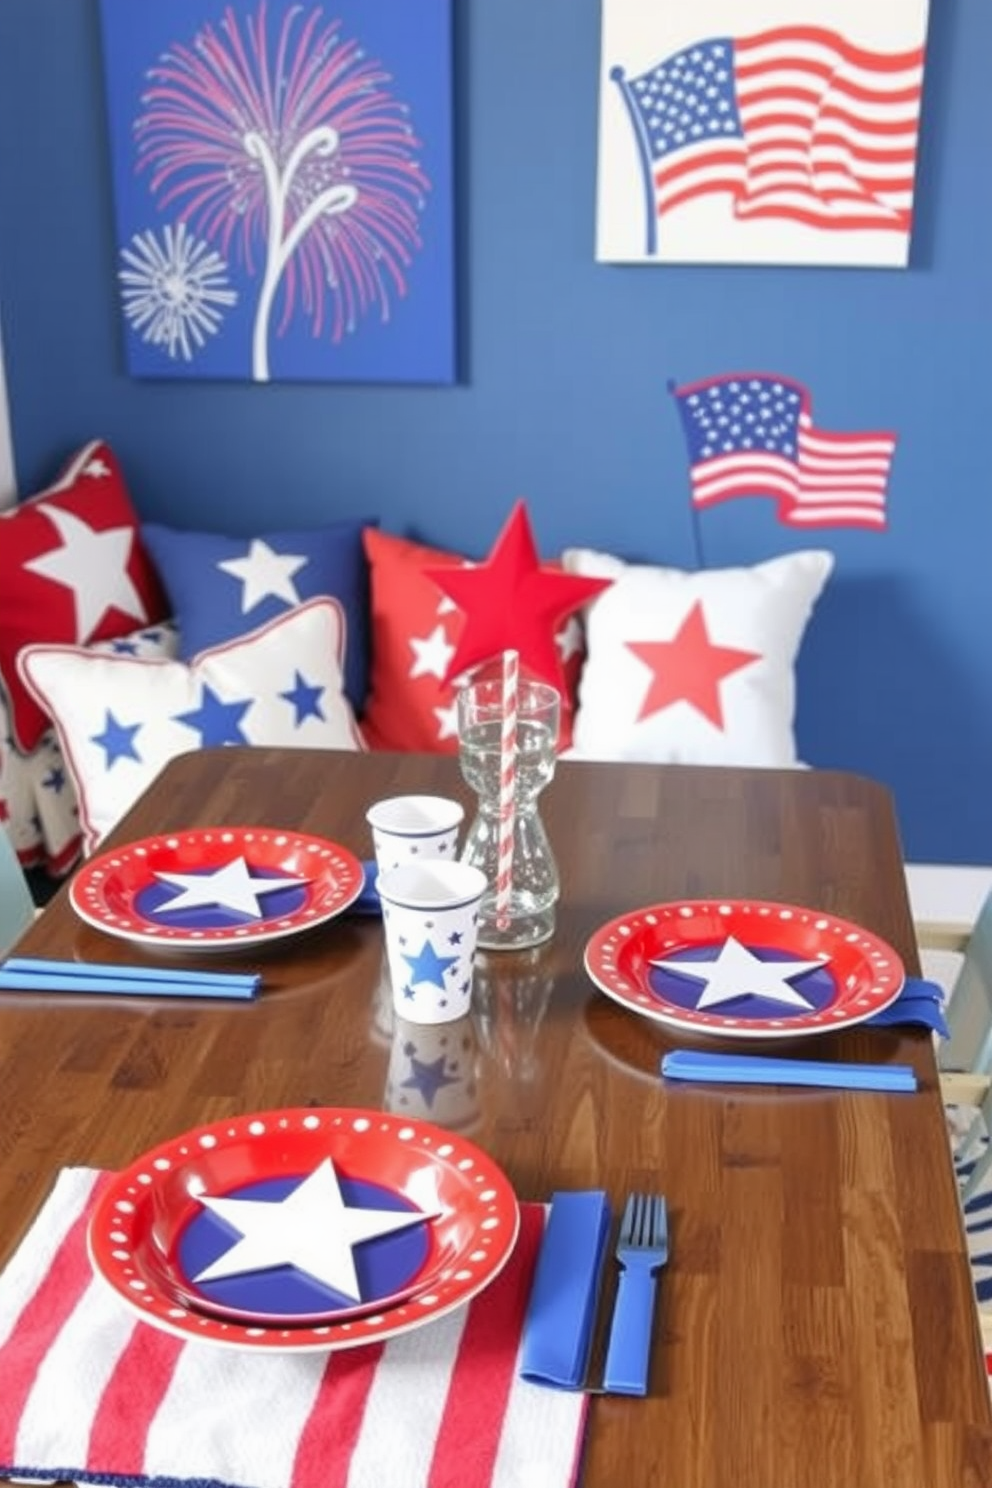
{"points": [[507, 787]]}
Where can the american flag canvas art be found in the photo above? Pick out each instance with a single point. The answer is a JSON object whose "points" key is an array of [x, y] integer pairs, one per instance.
{"points": [[752, 434], [759, 131]]}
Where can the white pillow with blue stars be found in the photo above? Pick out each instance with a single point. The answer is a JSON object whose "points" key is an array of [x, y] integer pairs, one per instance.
{"points": [[42, 810], [120, 719]]}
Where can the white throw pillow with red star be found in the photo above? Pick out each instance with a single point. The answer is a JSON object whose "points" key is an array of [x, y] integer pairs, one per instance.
{"points": [[73, 569], [120, 718], [694, 667]]}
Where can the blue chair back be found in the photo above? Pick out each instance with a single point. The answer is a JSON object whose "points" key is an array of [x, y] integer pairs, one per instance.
{"points": [[969, 1011], [16, 904]]}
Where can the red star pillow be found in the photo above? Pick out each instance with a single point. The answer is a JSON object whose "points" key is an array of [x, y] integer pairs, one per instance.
{"points": [[417, 630], [72, 570], [694, 667]]}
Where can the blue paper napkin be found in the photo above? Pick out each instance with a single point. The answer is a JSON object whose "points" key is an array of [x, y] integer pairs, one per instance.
{"points": [[367, 902], [919, 1002], [562, 1308]]}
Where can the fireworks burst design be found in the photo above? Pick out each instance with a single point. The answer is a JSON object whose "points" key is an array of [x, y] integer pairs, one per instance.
{"points": [[288, 152], [174, 290]]}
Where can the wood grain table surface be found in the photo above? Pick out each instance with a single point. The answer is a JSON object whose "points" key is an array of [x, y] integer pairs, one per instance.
{"points": [[815, 1326]]}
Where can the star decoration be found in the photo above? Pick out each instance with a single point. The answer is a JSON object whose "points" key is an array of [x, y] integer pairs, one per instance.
{"points": [[569, 639], [229, 887], [216, 721], [428, 966], [312, 1229], [117, 740], [432, 656], [447, 721], [428, 1078], [305, 699], [736, 972], [93, 565], [97, 468], [512, 603], [264, 572], [688, 668]]}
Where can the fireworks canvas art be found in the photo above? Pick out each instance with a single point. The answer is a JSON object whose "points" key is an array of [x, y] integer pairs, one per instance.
{"points": [[283, 188], [759, 131]]}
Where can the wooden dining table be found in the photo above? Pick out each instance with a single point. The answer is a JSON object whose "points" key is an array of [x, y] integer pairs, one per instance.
{"points": [[815, 1326]]}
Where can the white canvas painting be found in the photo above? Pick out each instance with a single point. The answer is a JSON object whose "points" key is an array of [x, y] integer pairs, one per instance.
{"points": [[759, 131]]}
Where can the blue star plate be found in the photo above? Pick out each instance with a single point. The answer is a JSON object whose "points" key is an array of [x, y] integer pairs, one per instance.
{"points": [[744, 968], [303, 1230], [216, 888]]}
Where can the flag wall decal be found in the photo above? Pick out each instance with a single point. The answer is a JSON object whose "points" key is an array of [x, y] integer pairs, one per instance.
{"points": [[752, 434], [759, 130]]}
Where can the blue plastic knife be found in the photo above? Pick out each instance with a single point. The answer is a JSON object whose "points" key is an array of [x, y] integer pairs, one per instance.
{"points": [[756, 1069]]}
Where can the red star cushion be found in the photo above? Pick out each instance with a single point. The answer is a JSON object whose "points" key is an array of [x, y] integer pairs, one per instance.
{"points": [[72, 570], [694, 667], [416, 630], [510, 602]]}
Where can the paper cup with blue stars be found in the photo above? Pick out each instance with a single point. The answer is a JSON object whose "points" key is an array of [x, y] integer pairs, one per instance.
{"points": [[408, 829], [430, 912]]}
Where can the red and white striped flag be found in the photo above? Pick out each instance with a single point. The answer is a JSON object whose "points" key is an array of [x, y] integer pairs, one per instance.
{"points": [[796, 123], [90, 1392], [752, 434]]}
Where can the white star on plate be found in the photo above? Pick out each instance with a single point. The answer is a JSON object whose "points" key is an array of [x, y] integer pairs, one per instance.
{"points": [[431, 656], [94, 566], [262, 572], [736, 972], [231, 887], [312, 1229]]}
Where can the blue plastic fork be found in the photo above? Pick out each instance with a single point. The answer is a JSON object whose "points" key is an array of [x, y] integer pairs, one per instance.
{"points": [[642, 1250]]}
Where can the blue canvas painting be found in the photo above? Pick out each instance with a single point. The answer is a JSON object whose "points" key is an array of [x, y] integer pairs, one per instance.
{"points": [[283, 188]]}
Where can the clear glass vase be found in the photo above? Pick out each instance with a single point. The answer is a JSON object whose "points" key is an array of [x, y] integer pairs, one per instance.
{"points": [[528, 916]]}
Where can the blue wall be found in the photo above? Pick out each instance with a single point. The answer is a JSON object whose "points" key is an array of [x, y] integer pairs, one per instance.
{"points": [[564, 364]]}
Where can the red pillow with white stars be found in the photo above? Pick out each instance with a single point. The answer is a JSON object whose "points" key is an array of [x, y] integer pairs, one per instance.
{"points": [[416, 630], [72, 570]]}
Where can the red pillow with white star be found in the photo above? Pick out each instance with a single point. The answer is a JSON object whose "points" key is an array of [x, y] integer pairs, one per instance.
{"points": [[417, 631], [694, 667], [72, 570]]}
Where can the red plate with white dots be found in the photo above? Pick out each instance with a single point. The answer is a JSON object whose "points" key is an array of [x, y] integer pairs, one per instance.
{"points": [[152, 1236], [216, 887], [744, 968]]}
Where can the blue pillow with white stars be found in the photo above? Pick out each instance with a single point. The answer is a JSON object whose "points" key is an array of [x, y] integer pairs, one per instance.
{"points": [[220, 587], [120, 718]]}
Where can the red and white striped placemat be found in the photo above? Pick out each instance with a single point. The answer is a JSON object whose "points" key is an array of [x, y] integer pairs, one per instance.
{"points": [[92, 1393]]}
